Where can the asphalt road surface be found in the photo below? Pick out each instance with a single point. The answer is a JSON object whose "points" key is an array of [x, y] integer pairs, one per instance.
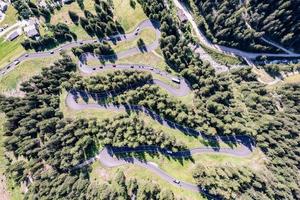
{"points": [[120, 37], [223, 49], [107, 155]]}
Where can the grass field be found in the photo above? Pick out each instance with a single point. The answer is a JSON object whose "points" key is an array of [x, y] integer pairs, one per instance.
{"points": [[223, 58], [9, 50], [23, 72], [292, 79], [11, 16], [147, 35], [101, 174], [62, 15], [182, 169], [127, 16], [148, 58]]}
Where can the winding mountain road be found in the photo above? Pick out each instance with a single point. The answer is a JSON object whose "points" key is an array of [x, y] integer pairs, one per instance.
{"points": [[108, 155], [146, 24], [183, 88], [224, 49]]}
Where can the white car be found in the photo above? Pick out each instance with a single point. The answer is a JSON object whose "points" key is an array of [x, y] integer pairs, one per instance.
{"points": [[176, 181], [169, 152], [16, 62]]}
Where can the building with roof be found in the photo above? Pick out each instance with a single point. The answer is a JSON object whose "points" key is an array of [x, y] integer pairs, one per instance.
{"points": [[13, 35], [32, 28]]}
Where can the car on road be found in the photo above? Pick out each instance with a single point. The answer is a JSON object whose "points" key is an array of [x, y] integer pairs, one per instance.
{"points": [[169, 152], [60, 49], [94, 68], [114, 65], [131, 66], [176, 80], [176, 181], [26, 55], [80, 42], [16, 62], [51, 52]]}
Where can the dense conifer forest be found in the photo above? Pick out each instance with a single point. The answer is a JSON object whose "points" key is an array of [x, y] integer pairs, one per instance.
{"points": [[45, 147]]}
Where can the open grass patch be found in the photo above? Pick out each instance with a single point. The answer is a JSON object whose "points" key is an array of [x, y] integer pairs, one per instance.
{"points": [[128, 16], [11, 16], [23, 72], [147, 35], [9, 50], [101, 174], [62, 15], [182, 168], [292, 79], [148, 58], [223, 58]]}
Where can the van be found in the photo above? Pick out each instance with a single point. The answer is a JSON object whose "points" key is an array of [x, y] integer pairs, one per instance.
{"points": [[176, 80]]}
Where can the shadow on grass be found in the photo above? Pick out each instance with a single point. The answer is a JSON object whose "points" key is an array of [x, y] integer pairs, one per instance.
{"points": [[140, 153]]}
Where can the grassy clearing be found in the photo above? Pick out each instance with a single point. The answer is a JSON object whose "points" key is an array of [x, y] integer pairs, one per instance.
{"points": [[62, 15], [23, 72], [262, 74], [11, 16], [292, 79], [188, 99], [101, 174], [9, 50], [148, 58], [147, 35], [127, 16], [9, 187], [182, 169], [223, 58]]}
